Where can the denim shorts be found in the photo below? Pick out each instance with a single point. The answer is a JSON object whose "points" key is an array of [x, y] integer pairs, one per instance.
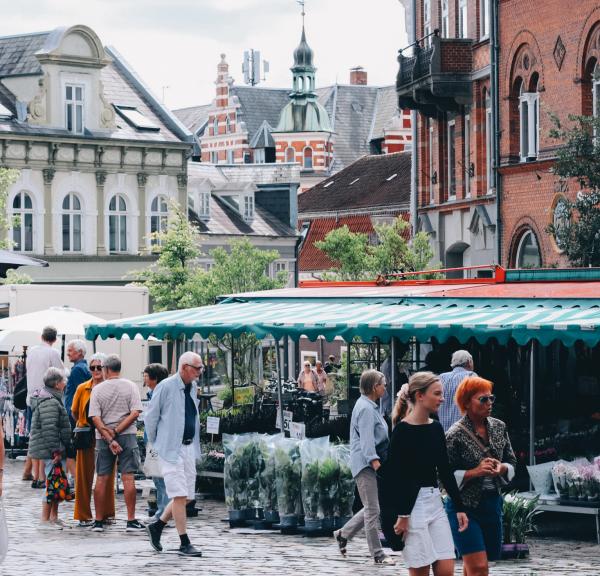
{"points": [[485, 527]]}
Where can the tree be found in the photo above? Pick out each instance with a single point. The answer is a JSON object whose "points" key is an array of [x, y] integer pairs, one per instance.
{"points": [[355, 258], [576, 227], [8, 177]]}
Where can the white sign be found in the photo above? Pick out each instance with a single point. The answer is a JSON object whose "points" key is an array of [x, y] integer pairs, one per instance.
{"points": [[297, 430], [212, 424], [287, 418]]}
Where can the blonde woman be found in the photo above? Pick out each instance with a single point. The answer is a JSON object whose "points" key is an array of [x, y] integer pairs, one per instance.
{"points": [[416, 459]]}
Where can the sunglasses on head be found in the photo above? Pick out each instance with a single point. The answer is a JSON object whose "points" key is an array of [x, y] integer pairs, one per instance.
{"points": [[95, 368], [491, 398]]}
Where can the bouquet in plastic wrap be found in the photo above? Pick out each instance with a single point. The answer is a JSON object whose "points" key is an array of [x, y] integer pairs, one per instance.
{"points": [[288, 473]]}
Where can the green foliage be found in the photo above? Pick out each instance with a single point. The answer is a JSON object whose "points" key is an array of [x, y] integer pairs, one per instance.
{"points": [[226, 396], [310, 494], [8, 177], [329, 472], [288, 470], [356, 258], [14, 277], [578, 234], [518, 517]]}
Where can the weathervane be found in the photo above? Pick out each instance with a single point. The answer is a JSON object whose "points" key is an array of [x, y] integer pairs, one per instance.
{"points": [[302, 3]]}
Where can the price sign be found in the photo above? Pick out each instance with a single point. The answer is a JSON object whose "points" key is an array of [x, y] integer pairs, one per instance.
{"points": [[297, 430], [212, 424], [287, 419]]}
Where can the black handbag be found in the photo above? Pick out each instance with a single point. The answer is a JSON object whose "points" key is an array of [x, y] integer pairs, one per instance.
{"points": [[20, 394], [83, 438], [387, 513]]}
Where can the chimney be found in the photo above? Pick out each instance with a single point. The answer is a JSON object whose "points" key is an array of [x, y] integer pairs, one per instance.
{"points": [[358, 76]]}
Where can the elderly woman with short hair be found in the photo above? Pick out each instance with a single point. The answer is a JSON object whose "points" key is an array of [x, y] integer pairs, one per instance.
{"points": [[50, 435], [369, 443], [85, 462], [482, 459]]}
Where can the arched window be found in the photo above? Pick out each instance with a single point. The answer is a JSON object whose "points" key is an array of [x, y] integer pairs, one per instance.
{"points": [[596, 91], [290, 154], [117, 224], [159, 210], [71, 223], [215, 126], [529, 120], [22, 225], [528, 251], [308, 158]]}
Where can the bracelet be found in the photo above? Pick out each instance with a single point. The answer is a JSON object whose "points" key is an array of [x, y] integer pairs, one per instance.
{"points": [[403, 515]]}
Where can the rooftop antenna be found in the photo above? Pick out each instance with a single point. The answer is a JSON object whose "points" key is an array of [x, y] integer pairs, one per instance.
{"points": [[254, 69]]}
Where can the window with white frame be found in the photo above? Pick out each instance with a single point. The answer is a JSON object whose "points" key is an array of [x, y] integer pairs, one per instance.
{"points": [[117, 224], [248, 207], [159, 212], [227, 125], [74, 108], [452, 159], [277, 267], [489, 135], [484, 18], [467, 153], [308, 158], [528, 123], [528, 251], [463, 26], [431, 179], [214, 157], [290, 154], [22, 222], [204, 205], [259, 155], [427, 21], [71, 223], [596, 90], [229, 156], [215, 126], [445, 19]]}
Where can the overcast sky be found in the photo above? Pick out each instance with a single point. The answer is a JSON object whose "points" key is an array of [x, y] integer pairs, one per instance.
{"points": [[176, 43]]}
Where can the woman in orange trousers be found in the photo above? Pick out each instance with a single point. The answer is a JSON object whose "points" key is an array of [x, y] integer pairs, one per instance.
{"points": [[86, 458]]}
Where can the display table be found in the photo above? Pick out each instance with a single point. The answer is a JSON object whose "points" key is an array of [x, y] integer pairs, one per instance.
{"points": [[551, 503]]}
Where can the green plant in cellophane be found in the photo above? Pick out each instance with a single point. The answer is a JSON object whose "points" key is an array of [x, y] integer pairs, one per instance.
{"points": [[288, 473], [312, 450], [329, 472], [267, 493], [345, 484], [235, 472]]}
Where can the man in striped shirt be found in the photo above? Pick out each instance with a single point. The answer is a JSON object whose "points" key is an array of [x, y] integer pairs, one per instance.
{"points": [[462, 366]]}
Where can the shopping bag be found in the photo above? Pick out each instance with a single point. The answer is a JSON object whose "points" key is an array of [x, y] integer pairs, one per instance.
{"points": [[151, 463], [3, 532]]}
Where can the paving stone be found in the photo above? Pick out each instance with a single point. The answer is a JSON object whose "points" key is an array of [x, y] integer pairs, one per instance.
{"points": [[80, 552]]}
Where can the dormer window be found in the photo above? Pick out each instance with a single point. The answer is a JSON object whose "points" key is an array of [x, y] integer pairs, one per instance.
{"points": [[74, 106], [204, 205], [248, 207]]}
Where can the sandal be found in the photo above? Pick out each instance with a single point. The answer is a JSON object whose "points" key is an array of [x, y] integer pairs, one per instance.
{"points": [[27, 477], [341, 541]]}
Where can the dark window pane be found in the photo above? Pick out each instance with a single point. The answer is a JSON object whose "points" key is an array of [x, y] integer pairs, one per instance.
{"points": [[77, 232], [123, 233], [28, 228], [17, 201], [27, 201], [66, 233], [112, 233], [75, 204], [66, 202], [17, 238], [122, 205], [113, 204]]}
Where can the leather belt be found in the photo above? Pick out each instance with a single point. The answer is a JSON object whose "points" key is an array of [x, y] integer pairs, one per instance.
{"points": [[187, 442]]}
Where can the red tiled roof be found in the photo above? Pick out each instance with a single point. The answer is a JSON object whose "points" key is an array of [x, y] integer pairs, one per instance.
{"points": [[311, 259]]}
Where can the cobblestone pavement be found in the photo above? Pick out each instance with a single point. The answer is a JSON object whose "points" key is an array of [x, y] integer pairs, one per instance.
{"points": [[81, 552]]}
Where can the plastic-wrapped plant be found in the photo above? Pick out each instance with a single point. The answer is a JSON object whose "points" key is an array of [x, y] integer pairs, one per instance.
{"points": [[329, 472], [346, 483], [267, 485], [254, 463], [235, 472], [312, 451], [288, 473]]}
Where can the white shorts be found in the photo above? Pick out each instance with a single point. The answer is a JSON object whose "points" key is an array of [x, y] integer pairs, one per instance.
{"points": [[180, 476], [429, 537]]}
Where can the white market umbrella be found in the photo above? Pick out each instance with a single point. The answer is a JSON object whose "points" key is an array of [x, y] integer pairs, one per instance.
{"points": [[66, 320]]}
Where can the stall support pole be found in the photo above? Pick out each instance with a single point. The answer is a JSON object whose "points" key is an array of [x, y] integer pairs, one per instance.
{"points": [[286, 357], [532, 359], [394, 361], [232, 370], [278, 368], [348, 372]]}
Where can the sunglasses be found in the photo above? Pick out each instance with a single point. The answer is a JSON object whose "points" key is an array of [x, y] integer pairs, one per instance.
{"points": [[95, 368], [491, 398]]}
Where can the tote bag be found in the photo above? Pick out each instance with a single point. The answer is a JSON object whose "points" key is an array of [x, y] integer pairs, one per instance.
{"points": [[151, 463]]}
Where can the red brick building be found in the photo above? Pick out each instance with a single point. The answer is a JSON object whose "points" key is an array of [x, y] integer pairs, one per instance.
{"points": [[549, 55], [446, 78]]}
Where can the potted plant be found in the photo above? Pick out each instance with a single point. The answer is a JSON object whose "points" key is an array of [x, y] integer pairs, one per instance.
{"points": [[518, 514], [310, 496], [235, 478], [288, 474], [267, 486], [345, 487], [329, 472]]}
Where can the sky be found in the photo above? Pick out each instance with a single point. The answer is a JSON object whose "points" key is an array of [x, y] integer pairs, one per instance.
{"points": [[175, 45]]}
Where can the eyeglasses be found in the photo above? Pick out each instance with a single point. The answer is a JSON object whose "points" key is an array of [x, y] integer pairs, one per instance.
{"points": [[95, 368], [489, 398], [199, 368]]}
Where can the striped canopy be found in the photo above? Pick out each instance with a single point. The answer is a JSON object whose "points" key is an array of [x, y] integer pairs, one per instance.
{"points": [[522, 319]]}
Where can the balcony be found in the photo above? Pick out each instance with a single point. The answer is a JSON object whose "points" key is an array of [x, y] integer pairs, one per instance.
{"points": [[436, 78]]}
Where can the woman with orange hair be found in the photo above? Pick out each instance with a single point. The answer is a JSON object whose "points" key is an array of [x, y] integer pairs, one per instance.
{"points": [[483, 460]]}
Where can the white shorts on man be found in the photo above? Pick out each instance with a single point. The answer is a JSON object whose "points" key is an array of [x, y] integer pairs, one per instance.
{"points": [[429, 536], [180, 476]]}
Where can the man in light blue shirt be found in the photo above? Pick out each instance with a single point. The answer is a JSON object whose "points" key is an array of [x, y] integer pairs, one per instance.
{"points": [[462, 367], [173, 428]]}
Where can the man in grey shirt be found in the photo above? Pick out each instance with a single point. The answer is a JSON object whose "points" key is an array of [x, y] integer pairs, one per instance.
{"points": [[462, 367]]}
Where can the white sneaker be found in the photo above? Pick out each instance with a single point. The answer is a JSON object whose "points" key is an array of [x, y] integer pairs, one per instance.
{"points": [[62, 523], [46, 525]]}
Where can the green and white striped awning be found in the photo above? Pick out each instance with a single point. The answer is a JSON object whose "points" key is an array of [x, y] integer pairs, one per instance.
{"points": [[463, 318]]}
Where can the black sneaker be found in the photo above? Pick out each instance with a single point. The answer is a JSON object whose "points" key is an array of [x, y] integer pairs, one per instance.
{"points": [[154, 533], [189, 550], [341, 542], [98, 526], [134, 526]]}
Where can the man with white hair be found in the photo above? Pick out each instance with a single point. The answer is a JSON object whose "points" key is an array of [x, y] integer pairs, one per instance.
{"points": [[462, 367], [172, 426]]}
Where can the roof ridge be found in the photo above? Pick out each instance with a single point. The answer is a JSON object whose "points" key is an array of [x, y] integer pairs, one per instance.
{"points": [[26, 34]]}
